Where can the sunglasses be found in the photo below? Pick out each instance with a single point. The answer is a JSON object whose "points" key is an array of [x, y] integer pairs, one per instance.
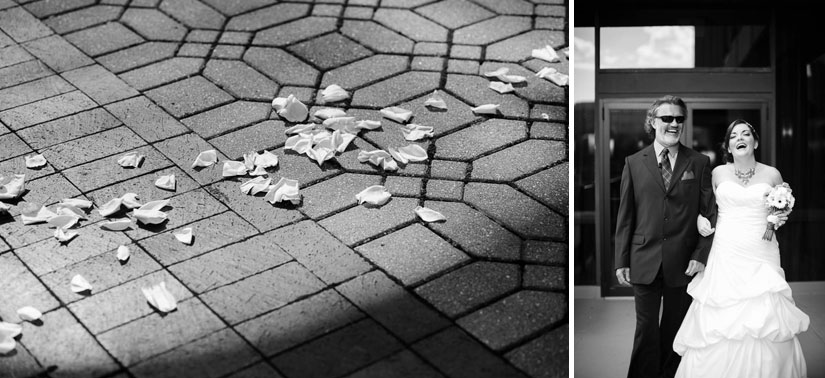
{"points": [[669, 119]]}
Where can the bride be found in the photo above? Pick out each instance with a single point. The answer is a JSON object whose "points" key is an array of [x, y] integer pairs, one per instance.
{"points": [[743, 321]]}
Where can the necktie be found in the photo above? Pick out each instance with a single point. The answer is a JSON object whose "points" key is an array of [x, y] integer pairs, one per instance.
{"points": [[667, 172]]}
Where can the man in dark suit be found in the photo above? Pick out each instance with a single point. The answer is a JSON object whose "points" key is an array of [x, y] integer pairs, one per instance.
{"points": [[665, 186]]}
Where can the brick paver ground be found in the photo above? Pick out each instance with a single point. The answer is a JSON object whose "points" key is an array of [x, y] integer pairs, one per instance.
{"points": [[323, 288]]}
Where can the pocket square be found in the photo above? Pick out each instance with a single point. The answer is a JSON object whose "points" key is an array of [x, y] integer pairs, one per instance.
{"points": [[688, 175]]}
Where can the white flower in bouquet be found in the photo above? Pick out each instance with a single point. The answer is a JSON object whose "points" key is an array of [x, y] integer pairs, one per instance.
{"points": [[779, 198]]}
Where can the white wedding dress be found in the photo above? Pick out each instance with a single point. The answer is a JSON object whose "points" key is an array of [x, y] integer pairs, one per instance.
{"points": [[743, 321]]}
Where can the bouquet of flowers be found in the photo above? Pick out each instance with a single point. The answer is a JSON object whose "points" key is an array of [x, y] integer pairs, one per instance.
{"points": [[778, 199]]}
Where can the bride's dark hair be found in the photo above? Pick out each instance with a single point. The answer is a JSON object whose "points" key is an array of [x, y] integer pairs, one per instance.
{"points": [[726, 142]]}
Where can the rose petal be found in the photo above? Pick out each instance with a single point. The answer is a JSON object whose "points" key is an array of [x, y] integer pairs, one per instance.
{"points": [[300, 143], [397, 114], [79, 284], [123, 253], [322, 152], [166, 182], [155, 205], [284, 190], [266, 159], [435, 101], [375, 195], [160, 298], [559, 79], [413, 152], [486, 109], [205, 159], [185, 235], [39, 215], [429, 215], [501, 87], [325, 113], [259, 171], [35, 161], [77, 202], [12, 187], [340, 140], [130, 200], [234, 168], [29, 313], [8, 331], [341, 123], [63, 221], [110, 207], [546, 53], [63, 236], [117, 224], [415, 132], [498, 72], [4, 209], [130, 160], [149, 216], [398, 157], [379, 158], [367, 124], [64, 209], [255, 186], [334, 93], [290, 108], [300, 129], [249, 160]]}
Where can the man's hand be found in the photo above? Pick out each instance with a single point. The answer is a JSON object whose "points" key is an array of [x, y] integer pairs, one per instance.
{"points": [[694, 267], [623, 274], [783, 216], [703, 225]]}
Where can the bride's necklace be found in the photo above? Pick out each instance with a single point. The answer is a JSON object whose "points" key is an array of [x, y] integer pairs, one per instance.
{"points": [[745, 176]]}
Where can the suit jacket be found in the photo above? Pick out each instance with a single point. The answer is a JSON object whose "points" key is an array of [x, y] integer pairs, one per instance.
{"points": [[656, 226]]}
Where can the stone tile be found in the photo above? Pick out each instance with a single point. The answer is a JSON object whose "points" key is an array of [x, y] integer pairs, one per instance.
{"points": [[471, 286], [392, 306], [153, 25], [100, 84], [261, 293], [303, 94], [182, 209], [474, 232], [545, 277], [209, 234], [300, 167], [22, 72], [95, 146], [231, 8], [188, 96], [320, 252], [404, 186], [155, 334], [412, 254], [457, 115], [46, 110], [266, 135], [326, 197], [550, 186], [480, 139], [518, 212], [280, 66], [403, 3], [364, 71], [124, 303], [26, 290], [103, 39], [458, 355], [162, 72], [33, 91], [227, 52], [259, 370], [146, 119], [204, 36], [68, 128], [12, 55], [254, 209], [396, 89], [547, 356], [411, 25], [21, 363], [542, 130], [358, 13], [227, 117], [45, 8], [492, 30], [294, 31], [367, 3], [374, 221], [106, 171], [536, 89], [404, 364], [49, 255], [340, 352], [552, 112], [212, 356], [328, 10], [144, 187], [184, 149], [468, 67], [61, 341], [551, 10], [474, 90], [83, 18], [445, 190], [303, 320], [140, 55], [12, 146], [427, 63], [510, 320], [58, 54], [19, 165], [231, 263], [46, 191], [103, 271], [22, 26], [545, 252], [522, 7], [551, 23], [193, 13], [329, 51], [265, 17], [377, 37], [520, 47], [240, 80], [516, 161], [445, 169], [454, 13], [431, 48], [465, 52], [195, 50]]}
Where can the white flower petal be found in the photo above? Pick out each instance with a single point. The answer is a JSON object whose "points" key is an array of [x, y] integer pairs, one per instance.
{"points": [[340, 140], [321, 154], [290, 109], [367, 124], [64, 209], [379, 158], [499, 72], [435, 101], [110, 207], [205, 159], [300, 128], [299, 143], [39, 215], [501, 87], [63, 236], [259, 171], [63, 221], [415, 132], [35, 161], [77, 202], [8, 331], [130, 200], [546, 53], [149, 216], [130, 160], [486, 109], [266, 159], [559, 79], [546, 71], [233, 168], [255, 186], [160, 298], [341, 123], [123, 253], [155, 205], [397, 114], [117, 224], [413, 152], [12, 187], [79, 284], [185, 235], [429, 215], [249, 160], [29, 313], [375, 195], [166, 182], [284, 190], [325, 113], [398, 157], [334, 93]]}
